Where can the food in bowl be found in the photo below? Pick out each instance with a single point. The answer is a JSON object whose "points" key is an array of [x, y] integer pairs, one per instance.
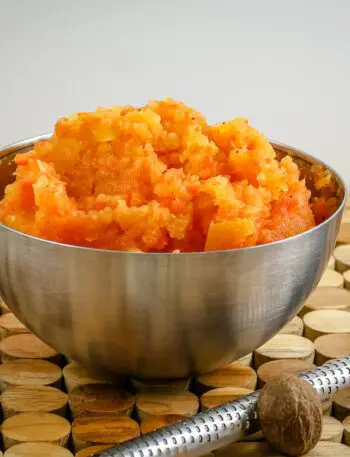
{"points": [[161, 179]]}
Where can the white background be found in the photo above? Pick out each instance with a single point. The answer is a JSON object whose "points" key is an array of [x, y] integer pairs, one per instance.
{"points": [[284, 64]]}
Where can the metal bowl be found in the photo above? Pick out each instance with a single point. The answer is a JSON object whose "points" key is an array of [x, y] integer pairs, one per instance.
{"points": [[159, 315]]}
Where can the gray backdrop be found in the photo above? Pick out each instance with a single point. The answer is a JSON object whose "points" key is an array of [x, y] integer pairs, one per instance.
{"points": [[284, 64]]}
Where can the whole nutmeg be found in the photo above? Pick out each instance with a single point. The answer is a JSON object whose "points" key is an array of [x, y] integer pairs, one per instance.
{"points": [[290, 414]]}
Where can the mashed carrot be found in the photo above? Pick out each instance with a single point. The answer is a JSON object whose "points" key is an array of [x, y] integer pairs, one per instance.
{"points": [[157, 179]]}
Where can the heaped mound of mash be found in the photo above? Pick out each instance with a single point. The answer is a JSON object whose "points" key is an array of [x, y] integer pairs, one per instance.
{"points": [[157, 179]]}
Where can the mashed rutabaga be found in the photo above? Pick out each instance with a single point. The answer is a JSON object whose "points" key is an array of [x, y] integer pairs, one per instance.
{"points": [[158, 179]]}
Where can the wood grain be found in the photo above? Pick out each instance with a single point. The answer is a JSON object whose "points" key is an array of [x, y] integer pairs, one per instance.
{"points": [[342, 257], [331, 346], [254, 449], [331, 278], [33, 399], [41, 427], [346, 425], [327, 298], [318, 323], [235, 374], [76, 375], [27, 372], [150, 404], [152, 423], [327, 406], [221, 395], [37, 450], [97, 399], [92, 450], [329, 449], [285, 347], [276, 367], [262, 449], [341, 404], [26, 346], [247, 360], [10, 325], [100, 429], [332, 430], [294, 327]]}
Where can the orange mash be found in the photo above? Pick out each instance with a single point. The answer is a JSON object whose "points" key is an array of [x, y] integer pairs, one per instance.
{"points": [[158, 179]]}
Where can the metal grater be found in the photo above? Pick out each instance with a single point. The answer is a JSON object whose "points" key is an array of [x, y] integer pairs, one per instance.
{"points": [[218, 427]]}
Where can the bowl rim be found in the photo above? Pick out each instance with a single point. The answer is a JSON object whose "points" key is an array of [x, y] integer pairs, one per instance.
{"points": [[298, 153]]}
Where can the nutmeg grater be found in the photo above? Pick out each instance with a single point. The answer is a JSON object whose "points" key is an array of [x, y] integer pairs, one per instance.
{"points": [[220, 426]]}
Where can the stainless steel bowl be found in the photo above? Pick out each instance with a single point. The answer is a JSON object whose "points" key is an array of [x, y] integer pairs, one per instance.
{"points": [[159, 315]]}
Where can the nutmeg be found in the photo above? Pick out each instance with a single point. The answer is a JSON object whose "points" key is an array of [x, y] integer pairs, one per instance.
{"points": [[290, 414]]}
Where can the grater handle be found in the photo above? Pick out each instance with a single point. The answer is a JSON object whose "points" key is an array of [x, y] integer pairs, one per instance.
{"points": [[218, 427]]}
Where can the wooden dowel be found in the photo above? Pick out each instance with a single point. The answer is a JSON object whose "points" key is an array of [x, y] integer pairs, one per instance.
{"points": [[221, 395], [28, 372], [33, 399], [10, 325], [37, 450], [234, 375], [332, 430], [346, 425], [88, 431], [32, 427], [342, 258], [341, 404], [318, 323], [152, 423], [92, 450], [294, 327], [26, 346], [263, 449], [285, 347], [247, 360], [276, 367], [327, 406], [327, 298], [76, 375], [331, 278], [333, 346], [247, 449], [97, 399], [150, 404]]}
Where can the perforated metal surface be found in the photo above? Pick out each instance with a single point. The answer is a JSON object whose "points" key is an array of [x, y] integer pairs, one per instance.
{"points": [[330, 377], [228, 423]]}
